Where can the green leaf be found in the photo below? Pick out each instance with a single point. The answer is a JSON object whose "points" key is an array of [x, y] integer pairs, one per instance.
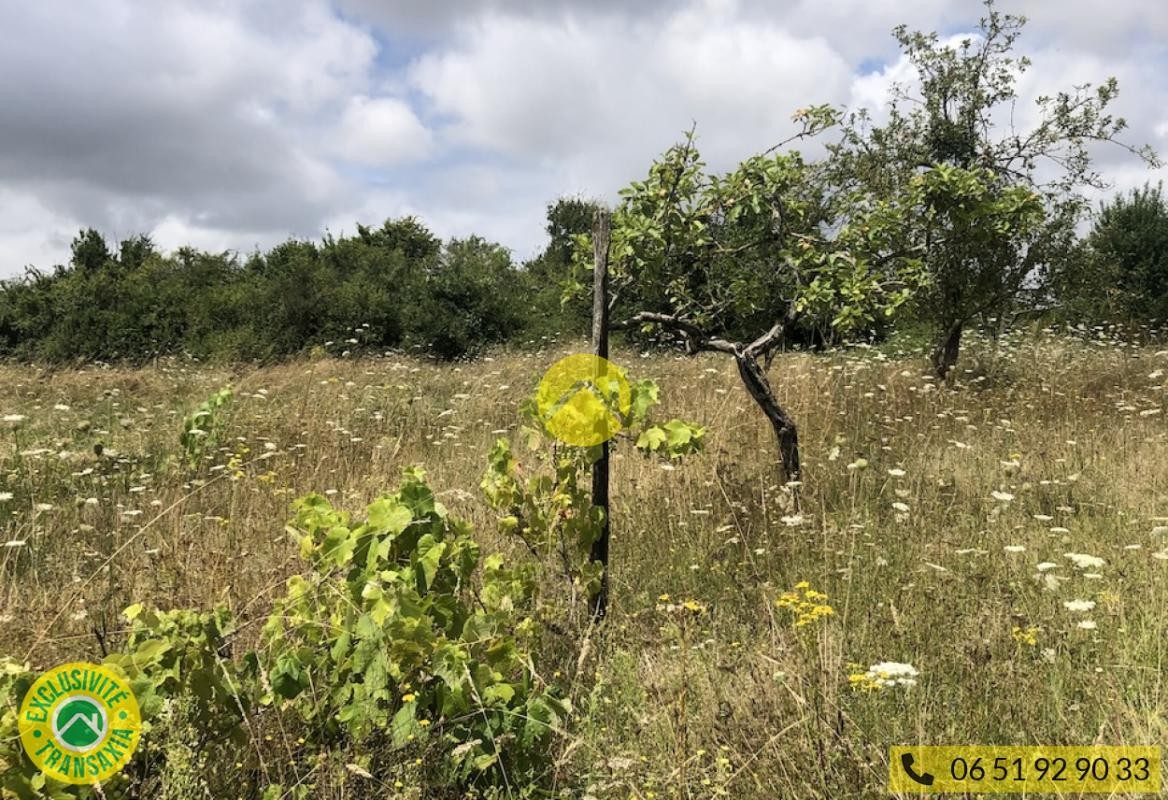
{"points": [[338, 545], [430, 558], [645, 395], [651, 439], [679, 433], [387, 515], [405, 724]]}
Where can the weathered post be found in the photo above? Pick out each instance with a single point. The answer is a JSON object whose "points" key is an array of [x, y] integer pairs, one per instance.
{"points": [[601, 234]]}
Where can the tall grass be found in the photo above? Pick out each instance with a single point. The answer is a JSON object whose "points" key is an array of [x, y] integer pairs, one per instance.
{"points": [[925, 513]]}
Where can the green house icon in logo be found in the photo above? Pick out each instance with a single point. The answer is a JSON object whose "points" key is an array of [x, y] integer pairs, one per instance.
{"points": [[79, 723]]}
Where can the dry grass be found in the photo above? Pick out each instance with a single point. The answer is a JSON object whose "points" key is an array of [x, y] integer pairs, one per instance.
{"points": [[732, 701]]}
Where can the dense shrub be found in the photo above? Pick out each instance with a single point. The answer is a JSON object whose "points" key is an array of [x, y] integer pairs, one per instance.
{"points": [[1120, 271], [390, 287]]}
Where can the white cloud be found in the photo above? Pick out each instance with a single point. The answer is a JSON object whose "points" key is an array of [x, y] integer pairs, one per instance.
{"points": [[589, 106], [31, 234], [204, 113], [237, 125], [381, 132]]}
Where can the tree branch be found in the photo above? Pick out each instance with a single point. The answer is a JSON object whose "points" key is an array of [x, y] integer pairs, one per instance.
{"points": [[695, 338]]}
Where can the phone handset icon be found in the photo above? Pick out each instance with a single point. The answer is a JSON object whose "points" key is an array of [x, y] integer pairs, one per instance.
{"points": [[924, 779]]}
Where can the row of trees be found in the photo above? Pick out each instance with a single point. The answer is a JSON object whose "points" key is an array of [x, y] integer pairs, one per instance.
{"points": [[397, 286]]}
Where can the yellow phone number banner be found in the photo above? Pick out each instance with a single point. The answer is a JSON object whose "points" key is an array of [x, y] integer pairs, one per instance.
{"points": [[915, 769]]}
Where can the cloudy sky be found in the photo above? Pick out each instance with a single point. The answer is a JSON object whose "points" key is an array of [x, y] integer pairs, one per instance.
{"points": [[234, 124]]}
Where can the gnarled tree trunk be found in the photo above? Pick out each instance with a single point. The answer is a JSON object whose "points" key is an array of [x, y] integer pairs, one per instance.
{"points": [[945, 354], [755, 380]]}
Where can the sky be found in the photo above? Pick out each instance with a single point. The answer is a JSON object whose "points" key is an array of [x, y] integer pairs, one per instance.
{"points": [[234, 125]]}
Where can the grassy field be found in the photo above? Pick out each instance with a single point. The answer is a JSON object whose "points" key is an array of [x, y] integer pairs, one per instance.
{"points": [[937, 520]]}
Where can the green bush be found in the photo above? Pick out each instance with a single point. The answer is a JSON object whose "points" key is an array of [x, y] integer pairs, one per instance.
{"points": [[386, 646]]}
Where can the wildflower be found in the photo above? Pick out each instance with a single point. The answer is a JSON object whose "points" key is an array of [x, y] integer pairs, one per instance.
{"points": [[5, 496], [14, 420], [1014, 548], [1002, 497], [805, 604], [1046, 565], [1025, 636], [896, 472], [1087, 625], [1051, 582], [885, 675], [858, 464], [408, 698], [1084, 561], [1079, 605], [901, 507]]}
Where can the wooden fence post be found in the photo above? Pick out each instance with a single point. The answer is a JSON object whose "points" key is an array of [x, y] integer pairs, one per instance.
{"points": [[601, 234]]}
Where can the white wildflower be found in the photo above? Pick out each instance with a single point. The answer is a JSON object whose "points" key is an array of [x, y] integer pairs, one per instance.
{"points": [[1079, 605], [1084, 561], [892, 673], [1051, 582]]}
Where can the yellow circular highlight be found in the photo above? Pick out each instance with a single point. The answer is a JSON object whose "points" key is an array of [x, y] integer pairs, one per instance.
{"points": [[582, 400], [80, 723]]}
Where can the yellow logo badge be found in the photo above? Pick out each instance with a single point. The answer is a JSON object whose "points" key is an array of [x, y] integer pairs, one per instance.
{"points": [[80, 723], [582, 399]]}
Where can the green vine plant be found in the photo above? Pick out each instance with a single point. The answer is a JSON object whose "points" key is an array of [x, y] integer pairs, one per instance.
{"points": [[548, 506], [387, 639], [202, 428], [398, 648]]}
